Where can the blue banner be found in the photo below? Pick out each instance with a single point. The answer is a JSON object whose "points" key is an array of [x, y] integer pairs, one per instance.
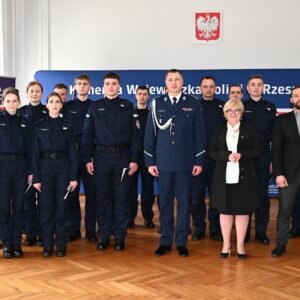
{"points": [[278, 84]]}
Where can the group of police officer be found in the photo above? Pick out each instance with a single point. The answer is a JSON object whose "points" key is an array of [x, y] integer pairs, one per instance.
{"points": [[110, 136]]}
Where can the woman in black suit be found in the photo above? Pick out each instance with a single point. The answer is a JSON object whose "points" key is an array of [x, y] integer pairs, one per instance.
{"points": [[234, 147]]}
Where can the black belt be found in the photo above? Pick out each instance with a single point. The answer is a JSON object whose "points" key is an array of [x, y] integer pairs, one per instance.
{"points": [[12, 157], [53, 155], [112, 149]]}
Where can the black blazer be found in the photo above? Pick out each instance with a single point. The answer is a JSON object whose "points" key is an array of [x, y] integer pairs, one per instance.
{"points": [[286, 147], [250, 149]]}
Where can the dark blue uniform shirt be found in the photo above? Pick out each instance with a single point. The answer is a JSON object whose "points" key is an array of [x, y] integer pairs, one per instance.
{"points": [[213, 116], [140, 118], [109, 122], [260, 115], [34, 113], [76, 110], [54, 135]]}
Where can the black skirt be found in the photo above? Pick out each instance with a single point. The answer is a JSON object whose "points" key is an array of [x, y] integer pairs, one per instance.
{"points": [[235, 204]]}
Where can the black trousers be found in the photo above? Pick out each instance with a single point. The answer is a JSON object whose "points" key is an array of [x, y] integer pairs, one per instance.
{"points": [[286, 203]]}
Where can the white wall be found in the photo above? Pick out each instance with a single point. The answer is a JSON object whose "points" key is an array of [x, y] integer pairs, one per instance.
{"points": [[157, 34]]}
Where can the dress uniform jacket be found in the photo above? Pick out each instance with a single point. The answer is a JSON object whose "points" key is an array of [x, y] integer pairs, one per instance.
{"points": [[250, 148], [174, 137]]}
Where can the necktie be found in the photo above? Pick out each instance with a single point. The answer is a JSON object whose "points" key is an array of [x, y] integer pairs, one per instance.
{"points": [[174, 102]]}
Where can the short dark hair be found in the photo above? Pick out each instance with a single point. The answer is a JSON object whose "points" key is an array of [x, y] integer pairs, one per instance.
{"points": [[173, 71], [235, 85], [297, 86], [60, 86], [32, 83], [208, 77], [10, 90], [53, 94], [143, 87], [111, 75], [83, 77], [255, 76]]}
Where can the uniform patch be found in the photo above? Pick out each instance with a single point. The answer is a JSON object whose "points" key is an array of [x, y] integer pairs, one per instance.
{"points": [[23, 125], [135, 115], [138, 125], [44, 129], [187, 109], [122, 105], [101, 108], [65, 128], [72, 111], [2, 124]]}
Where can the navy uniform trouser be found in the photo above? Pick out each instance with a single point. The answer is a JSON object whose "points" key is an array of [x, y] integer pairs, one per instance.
{"points": [[32, 218], [90, 202], [286, 204], [13, 182], [262, 214], [147, 194], [201, 184], [112, 193], [175, 184], [54, 209], [296, 212]]}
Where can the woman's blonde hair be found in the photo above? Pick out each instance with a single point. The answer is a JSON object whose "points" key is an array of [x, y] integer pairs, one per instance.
{"points": [[232, 103]]}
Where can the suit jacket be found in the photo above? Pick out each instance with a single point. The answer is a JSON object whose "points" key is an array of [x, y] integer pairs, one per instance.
{"points": [[250, 149], [286, 147]]}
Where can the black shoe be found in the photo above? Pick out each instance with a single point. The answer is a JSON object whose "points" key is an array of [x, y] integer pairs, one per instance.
{"points": [[159, 230], [131, 224], [225, 255], [198, 235], [149, 224], [278, 250], [76, 235], [262, 238], [119, 245], [91, 236], [61, 251], [18, 251], [162, 250], [241, 256], [47, 251], [216, 236], [294, 233], [182, 251], [39, 242], [102, 245], [30, 241], [8, 252]]}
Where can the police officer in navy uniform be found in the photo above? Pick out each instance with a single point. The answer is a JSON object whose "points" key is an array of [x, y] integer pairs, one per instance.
{"points": [[174, 149], [260, 114], [34, 111], [140, 115], [76, 111], [15, 136], [111, 145], [55, 164], [213, 118]]}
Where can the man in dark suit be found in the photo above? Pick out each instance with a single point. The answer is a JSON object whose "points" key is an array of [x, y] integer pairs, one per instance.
{"points": [[286, 167], [174, 150]]}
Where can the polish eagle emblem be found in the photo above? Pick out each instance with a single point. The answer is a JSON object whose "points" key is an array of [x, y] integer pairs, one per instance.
{"points": [[207, 26]]}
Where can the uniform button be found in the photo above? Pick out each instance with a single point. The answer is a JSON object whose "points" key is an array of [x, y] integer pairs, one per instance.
{"points": [[242, 169], [173, 116], [173, 133], [173, 142], [242, 177]]}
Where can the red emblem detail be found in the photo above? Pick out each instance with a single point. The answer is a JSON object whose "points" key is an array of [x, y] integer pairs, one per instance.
{"points": [[207, 26]]}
